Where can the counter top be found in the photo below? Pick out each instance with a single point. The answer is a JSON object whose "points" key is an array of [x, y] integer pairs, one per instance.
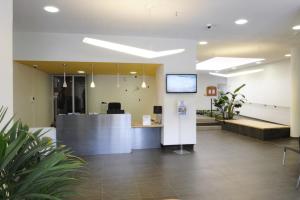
{"points": [[140, 125], [108, 116]]}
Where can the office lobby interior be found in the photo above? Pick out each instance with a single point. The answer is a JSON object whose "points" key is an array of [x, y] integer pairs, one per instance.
{"points": [[150, 100]]}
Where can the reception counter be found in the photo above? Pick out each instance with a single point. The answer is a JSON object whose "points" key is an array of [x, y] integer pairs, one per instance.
{"points": [[145, 137], [105, 134]]}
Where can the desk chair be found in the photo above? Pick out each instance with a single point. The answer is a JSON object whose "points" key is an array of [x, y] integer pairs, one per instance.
{"points": [[114, 108], [295, 150]]}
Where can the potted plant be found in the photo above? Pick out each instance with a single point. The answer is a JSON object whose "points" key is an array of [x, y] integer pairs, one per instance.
{"points": [[228, 102], [32, 167]]}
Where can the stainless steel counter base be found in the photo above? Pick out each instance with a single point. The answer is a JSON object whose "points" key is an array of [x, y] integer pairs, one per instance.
{"points": [[145, 138], [95, 134]]}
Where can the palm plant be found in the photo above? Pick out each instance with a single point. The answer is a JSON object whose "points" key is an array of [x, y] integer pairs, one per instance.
{"points": [[32, 167], [228, 102]]}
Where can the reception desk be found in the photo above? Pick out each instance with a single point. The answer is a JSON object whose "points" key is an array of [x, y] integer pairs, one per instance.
{"points": [[95, 134], [105, 134], [145, 137]]}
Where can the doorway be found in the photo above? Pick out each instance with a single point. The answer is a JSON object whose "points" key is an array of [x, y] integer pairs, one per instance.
{"points": [[70, 99]]}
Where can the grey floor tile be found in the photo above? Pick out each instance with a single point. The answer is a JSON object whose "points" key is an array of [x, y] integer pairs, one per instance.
{"points": [[225, 166]]}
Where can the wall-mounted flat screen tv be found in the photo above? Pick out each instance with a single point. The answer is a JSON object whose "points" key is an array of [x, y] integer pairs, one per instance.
{"points": [[181, 83]]}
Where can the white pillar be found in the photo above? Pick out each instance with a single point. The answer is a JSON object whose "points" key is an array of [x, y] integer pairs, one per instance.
{"points": [[295, 92], [6, 59]]}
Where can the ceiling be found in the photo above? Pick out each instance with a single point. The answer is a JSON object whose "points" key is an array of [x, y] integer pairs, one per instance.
{"points": [[268, 34], [56, 67]]}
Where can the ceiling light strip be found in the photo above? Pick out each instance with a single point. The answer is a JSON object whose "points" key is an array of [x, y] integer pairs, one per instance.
{"points": [[221, 63], [237, 73], [129, 49]]}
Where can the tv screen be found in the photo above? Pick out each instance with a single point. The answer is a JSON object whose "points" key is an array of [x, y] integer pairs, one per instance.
{"points": [[181, 83]]}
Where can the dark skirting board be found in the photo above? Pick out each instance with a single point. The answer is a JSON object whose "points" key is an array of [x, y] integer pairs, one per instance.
{"points": [[262, 134]]}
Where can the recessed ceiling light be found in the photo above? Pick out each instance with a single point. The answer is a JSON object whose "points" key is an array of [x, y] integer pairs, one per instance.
{"points": [[220, 63], [237, 73], [203, 42], [258, 62], [296, 28], [80, 72], [287, 55], [132, 72], [51, 9], [241, 21]]}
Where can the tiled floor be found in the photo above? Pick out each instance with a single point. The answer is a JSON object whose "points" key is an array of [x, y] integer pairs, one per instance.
{"points": [[225, 166]]}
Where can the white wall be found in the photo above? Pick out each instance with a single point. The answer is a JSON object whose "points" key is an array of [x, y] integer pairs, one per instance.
{"points": [[265, 90], [295, 92], [135, 100], [29, 83], [6, 63], [69, 47], [204, 80]]}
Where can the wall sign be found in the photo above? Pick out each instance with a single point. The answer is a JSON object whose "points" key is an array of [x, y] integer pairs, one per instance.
{"points": [[181, 108], [211, 91]]}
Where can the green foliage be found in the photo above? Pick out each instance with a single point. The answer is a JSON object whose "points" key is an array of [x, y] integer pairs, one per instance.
{"points": [[32, 167], [209, 113], [228, 102]]}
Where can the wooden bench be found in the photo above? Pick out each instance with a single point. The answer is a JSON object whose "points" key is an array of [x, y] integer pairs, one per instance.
{"points": [[257, 129]]}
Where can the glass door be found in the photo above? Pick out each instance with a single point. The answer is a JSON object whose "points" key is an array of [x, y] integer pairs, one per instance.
{"points": [[71, 99], [79, 94]]}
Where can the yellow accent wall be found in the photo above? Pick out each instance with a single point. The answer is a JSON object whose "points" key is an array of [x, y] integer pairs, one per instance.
{"points": [[134, 99], [31, 83]]}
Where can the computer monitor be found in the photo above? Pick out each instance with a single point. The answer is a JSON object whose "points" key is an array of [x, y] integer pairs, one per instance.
{"points": [[157, 109]]}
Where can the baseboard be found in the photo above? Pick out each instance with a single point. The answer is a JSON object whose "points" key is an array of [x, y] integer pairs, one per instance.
{"points": [[189, 147], [209, 128]]}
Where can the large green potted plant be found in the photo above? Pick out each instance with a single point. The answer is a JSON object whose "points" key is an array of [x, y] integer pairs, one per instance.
{"points": [[32, 167], [228, 102]]}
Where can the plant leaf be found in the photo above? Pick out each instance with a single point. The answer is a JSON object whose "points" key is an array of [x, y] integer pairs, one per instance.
{"points": [[239, 88]]}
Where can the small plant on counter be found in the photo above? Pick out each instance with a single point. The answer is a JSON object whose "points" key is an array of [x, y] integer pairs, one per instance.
{"points": [[32, 167], [228, 102]]}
